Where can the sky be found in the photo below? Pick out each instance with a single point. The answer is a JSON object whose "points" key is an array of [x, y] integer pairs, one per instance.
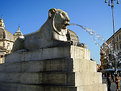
{"points": [[30, 15]]}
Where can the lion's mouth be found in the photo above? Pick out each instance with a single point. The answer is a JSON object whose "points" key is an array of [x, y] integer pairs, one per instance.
{"points": [[66, 23]]}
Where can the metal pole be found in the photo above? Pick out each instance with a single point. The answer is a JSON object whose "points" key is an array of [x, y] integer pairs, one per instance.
{"points": [[112, 7], [115, 58]]}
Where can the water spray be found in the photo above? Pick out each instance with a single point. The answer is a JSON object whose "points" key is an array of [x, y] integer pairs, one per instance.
{"points": [[97, 40]]}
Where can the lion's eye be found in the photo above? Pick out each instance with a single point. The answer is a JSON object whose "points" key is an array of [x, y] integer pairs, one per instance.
{"points": [[63, 13]]}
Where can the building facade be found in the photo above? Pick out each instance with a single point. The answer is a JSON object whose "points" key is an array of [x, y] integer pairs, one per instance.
{"points": [[110, 50], [6, 40]]}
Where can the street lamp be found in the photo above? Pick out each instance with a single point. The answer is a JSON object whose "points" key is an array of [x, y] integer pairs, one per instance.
{"points": [[111, 3]]}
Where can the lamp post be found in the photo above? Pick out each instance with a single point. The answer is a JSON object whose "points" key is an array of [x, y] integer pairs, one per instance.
{"points": [[111, 3]]}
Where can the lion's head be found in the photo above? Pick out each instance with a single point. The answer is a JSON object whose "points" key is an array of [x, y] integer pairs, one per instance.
{"points": [[60, 20]]}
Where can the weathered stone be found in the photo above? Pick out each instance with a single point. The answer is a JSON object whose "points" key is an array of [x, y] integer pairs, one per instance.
{"points": [[65, 64], [84, 65], [97, 87], [52, 78], [77, 58], [54, 52], [39, 66], [21, 87]]}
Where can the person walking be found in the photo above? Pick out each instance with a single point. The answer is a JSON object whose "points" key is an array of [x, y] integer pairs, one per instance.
{"points": [[109, 80], [118, 82], [113, 86]]}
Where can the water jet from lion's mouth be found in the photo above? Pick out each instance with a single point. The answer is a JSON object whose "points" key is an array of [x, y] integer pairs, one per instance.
{"points": [[98, 40]]}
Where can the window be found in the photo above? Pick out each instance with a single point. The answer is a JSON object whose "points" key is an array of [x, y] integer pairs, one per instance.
{"points": [[112, 41], [117, 47], [120, 45], [1, 56], [117, 38]]}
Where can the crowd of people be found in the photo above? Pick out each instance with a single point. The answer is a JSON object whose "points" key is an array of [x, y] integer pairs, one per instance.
{"points": [[113, 82]]}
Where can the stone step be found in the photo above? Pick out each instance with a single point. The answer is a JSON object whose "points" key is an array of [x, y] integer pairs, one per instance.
{"points": [[24, 87], [79, 53], [49, 53], [87, 78], [53, 78], [48, 78], [60, 64], [83, 65], [94, 87]]}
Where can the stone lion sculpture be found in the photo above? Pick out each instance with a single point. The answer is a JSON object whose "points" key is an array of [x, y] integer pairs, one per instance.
{"points": [[53, 32]]}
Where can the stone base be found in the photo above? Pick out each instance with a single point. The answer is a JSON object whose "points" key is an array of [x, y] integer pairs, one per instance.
{"points": [[22, 87], [67, 68]]}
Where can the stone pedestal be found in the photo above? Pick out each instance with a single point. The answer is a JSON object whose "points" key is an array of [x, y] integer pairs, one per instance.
{"points": [[67, 68]]}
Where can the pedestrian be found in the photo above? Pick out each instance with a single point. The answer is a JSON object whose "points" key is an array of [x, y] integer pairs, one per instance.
{"points": [[118, 82], [113, 86], [109, 80]]}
